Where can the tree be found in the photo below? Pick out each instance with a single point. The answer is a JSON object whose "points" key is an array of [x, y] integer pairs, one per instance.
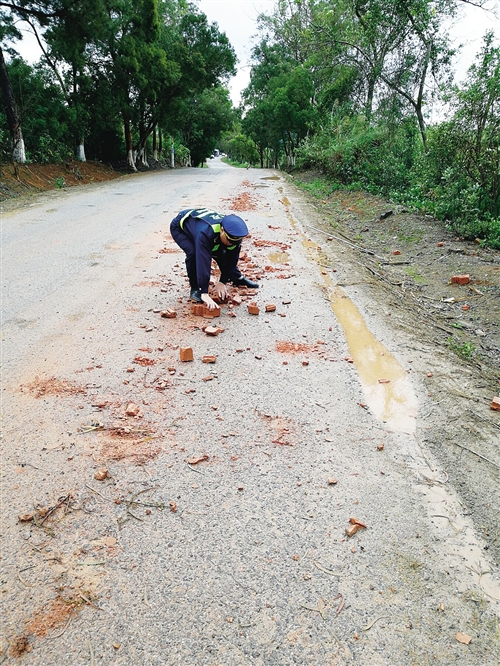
{"points": [[18, 153]]}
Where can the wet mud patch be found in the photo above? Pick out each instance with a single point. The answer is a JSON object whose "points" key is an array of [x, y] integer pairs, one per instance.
{"points": [[41, 387]]}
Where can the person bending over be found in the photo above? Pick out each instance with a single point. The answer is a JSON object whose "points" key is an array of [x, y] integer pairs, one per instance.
{"points": [[204, 235]]}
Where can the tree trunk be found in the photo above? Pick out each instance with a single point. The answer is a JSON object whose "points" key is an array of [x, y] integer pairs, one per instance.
{"points": [[80, 151], [128, 143], [155, 145], [9, 101]]}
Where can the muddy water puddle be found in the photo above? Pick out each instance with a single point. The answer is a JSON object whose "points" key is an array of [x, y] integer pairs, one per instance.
{"points": [[387, 387], [279, 257]]}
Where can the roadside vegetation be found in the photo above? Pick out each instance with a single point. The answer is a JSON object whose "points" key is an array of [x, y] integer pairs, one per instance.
{"points": [[343, 89]]}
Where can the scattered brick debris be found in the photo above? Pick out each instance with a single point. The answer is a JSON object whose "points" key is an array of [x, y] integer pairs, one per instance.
{"points": [[253, 309], [270, 307], [286, 347], [495, 404], [209, 359], [197, 459], [268, 243], [173, 507], [351, 530], [359, 523], [332, 481], [101, 474], [243, 201], [132, 409], [212, 330], [143, 360], [169, 313], [460, 279], [52, 386], [384, 381], [210, 314], [186, 354], [197, 309]]}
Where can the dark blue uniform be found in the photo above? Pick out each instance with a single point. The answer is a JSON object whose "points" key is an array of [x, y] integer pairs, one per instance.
{"points": [[197, 232]]}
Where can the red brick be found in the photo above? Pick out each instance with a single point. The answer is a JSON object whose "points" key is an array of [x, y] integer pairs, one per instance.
{"points": [[209, 359], [396, 252], [495, 404], [236, 299], [465, 308], [440, 244], [253, 309], [460, 279], [270, 307], [197, 309], [210, 314], [186, 354], [212, 330], [169, 313]]}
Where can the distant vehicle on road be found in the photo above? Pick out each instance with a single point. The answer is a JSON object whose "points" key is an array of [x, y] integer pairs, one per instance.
{"points": [[216, 152]]}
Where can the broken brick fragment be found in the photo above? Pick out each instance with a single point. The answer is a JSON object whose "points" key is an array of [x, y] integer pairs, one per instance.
{"points": [[212, 330], [253, 309], [270, 307], [101, 474], [186, 354], [210, 314], [355, 521], [169, 313], [132, 409], [351, 530], [460, 279], [236, 299], [209, 359], [197, 309], [495, 404]]}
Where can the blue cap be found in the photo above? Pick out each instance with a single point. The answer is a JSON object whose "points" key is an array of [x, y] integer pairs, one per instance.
{"points": [[234, 226]]}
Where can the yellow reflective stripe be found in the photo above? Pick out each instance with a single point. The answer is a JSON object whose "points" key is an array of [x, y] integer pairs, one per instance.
{"points": [[181, 223]]}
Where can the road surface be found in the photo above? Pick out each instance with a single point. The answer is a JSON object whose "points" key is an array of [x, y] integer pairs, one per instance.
{"points": [[219, 533]]}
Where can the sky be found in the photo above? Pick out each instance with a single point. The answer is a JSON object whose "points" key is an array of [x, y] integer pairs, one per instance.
{"points": [[238, 19]]}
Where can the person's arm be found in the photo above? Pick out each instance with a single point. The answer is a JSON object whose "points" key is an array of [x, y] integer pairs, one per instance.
{"points": [[203, 247]]}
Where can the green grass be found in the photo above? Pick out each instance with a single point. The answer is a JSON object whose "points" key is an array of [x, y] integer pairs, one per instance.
{"points": [[465, 350]]}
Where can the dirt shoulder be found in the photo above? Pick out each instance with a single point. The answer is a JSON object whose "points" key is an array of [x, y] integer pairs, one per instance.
{"points": [[408, 261], [18, 183]]}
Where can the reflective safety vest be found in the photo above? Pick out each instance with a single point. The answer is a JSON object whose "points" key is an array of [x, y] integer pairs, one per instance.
{"points": [[212, 218]]}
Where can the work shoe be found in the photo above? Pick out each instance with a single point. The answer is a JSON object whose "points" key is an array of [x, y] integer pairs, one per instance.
{"points": [[196, 296], [245, 282]]}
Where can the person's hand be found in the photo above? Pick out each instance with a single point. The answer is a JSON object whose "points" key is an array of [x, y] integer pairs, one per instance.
{"points": [[211, 305], [222, 290]]}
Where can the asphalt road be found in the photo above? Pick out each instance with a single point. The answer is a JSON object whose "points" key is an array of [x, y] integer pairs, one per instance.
{"points": [[218, 535]]}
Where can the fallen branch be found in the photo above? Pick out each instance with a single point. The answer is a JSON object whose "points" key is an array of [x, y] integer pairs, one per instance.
{"points": [[353, 245], [477, 454]]}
